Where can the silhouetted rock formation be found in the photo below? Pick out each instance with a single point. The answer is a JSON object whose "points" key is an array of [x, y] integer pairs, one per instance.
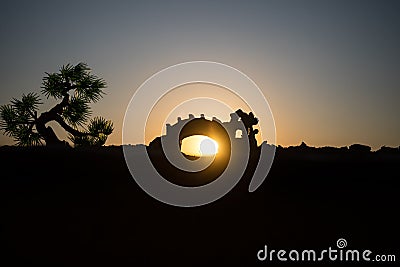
{"points": [[359, 148], [389, 150], [226, 134]]}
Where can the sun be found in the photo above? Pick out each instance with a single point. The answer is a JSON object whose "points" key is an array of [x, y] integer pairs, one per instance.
{"points": [[208, 147], [199, 145]]}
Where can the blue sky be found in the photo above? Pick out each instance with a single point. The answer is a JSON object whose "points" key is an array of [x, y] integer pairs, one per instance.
{"points": [[329, 69]]}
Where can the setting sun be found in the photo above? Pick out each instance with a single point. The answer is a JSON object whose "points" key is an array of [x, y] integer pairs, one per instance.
{"points": [[199, 145]]}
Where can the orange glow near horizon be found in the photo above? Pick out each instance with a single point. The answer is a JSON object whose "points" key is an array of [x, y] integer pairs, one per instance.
{"points": [[208, 99], [199, 145]]}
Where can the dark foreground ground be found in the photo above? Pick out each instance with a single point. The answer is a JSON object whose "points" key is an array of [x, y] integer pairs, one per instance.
{"points": [[74, 207]]}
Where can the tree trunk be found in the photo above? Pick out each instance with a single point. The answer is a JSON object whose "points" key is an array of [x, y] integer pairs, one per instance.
{"points": [[53, 114], [47, 132]]}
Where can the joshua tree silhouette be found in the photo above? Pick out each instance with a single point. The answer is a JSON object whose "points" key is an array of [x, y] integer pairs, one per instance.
{"points": [[249, 120], [76, 87]]}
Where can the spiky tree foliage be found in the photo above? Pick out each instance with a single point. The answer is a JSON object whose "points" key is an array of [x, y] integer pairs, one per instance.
{"points": [[75, 87], [99, 129], [18, 120]]}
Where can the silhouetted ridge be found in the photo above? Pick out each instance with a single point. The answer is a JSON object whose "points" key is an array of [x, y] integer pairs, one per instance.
{"points": [[83, 208]]}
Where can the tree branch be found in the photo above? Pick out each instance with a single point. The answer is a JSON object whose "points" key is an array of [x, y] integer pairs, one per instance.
{"points": [[68, 128], [31, 127], [31, 114], [59, 107]]}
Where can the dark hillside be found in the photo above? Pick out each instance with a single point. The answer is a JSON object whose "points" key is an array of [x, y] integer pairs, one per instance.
{"points": [[80, 207]]}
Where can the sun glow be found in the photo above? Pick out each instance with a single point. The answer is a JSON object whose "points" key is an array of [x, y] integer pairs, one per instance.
{"points": [[199, 145]]}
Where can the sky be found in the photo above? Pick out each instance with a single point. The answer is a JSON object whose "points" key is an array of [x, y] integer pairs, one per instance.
{"points": [[329, 69]]}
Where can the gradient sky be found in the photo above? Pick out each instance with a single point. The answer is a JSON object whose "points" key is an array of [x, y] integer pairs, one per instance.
{"points": [[329, 69]]}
